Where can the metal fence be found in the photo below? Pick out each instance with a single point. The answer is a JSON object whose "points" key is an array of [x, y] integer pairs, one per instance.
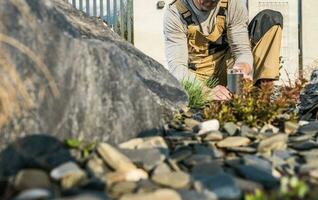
{"points": [[118, 14]]}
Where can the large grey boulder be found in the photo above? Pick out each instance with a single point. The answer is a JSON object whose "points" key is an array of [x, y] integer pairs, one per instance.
{"points": [[69, 75]]}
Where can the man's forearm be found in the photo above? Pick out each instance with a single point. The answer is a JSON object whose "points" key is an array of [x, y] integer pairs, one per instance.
{"points": [[182, 73]]}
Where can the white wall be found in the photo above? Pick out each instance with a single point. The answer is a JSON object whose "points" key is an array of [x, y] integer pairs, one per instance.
{"points": [[148, 28], [310, 35]]}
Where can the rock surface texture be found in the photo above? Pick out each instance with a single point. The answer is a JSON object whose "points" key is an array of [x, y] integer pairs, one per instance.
{"points": [[74, 77], [308, 108]]}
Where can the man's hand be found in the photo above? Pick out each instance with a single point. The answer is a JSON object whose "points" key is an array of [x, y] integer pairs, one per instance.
{"points": [[245, 68], [219, 93]]}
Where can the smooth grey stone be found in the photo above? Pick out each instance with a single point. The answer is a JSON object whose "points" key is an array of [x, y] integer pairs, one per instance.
{"points": [[35, 151], [309, 154], [179, 136], [162, 169], [235, 141], [248, 132], [31, 178], [258, 174], [32, 194], [206, 169], [154, 142], [191, 123], [124, 168], [176, 180], [123, 188], [249, 150], [173, 164], [181, 154], [64, 169], [308, 145], [216, 152], [197, 159], [145, 158], [96, 166], [193, 195], [160, 194], [87, 82], [306, 168], [302, 138], [248, 186], [145, 186], [274, 143], [312, 160], [258, 162], [232, 162], [213, 136], [207, 127], [231, 128], [200, 149], [69, 174], [283, 154], [223, 186], [309, 129]]}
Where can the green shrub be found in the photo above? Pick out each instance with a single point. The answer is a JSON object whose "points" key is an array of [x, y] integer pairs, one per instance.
{"points": [[256, 105]]}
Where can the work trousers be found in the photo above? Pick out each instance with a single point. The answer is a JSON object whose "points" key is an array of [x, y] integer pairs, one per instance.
{"points": [[265, 32]]}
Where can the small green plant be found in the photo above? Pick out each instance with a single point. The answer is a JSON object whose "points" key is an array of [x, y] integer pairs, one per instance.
{"points": [[291, 188], [84, 147], [197, 98], [259, 195], [255, 106]]}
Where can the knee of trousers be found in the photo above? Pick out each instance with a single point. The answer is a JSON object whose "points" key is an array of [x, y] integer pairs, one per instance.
{"points": [[263, 22]]}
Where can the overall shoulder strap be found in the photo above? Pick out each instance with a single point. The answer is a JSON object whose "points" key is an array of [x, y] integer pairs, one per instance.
{"points": [[183, 11], [223, 7], [220, 24]]}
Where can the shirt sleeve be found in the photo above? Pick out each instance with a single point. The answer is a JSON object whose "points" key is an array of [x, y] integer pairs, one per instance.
{"points": [[238, 32], [176, 48]]}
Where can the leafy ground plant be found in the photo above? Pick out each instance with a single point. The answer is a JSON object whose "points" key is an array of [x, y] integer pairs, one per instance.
{"points": [[256, 105], [82, 146], [197, 98], [291, 189]]}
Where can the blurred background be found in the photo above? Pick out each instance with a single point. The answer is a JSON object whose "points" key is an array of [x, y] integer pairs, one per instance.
{"points": [[141, 23]]}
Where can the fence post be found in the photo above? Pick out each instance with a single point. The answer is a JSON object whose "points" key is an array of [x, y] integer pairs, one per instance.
{"points": [[122, 17], [74, 3], [94, 8], [81, 5], [87, 7], [108, 12], [129, 24], [101, 8], [115, 15]]}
